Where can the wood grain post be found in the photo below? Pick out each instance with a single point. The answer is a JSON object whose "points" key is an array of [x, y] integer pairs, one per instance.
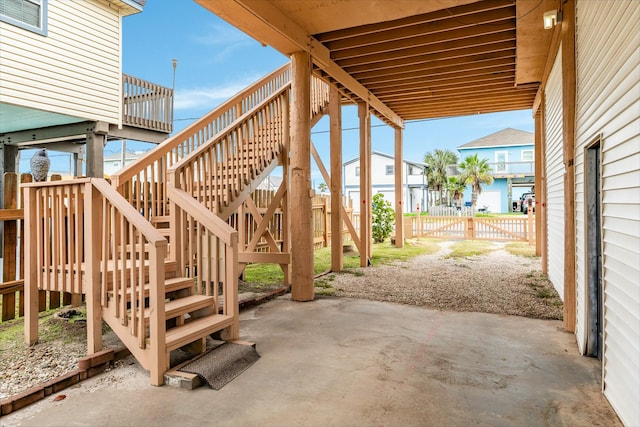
{"points": [[335, 137], [30, 268], [95, 154], [93, 233], [300, 176], [10, 244], [538, 182], [365, 183], [399, 187], [568, 127]]}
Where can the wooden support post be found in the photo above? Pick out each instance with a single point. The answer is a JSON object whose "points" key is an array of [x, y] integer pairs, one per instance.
{"points": [[157, 321], [539, 155], [286, 217], [568, 127], [335, 137], [365, 183], [300, 176], [399, 174], [10, 244], [93, 232], [95, 154], [8, 163], [30, 269]]}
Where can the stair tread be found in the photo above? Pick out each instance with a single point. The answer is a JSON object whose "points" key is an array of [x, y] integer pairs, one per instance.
{"points": [[171, 285], [198, 328], [184, 305]]}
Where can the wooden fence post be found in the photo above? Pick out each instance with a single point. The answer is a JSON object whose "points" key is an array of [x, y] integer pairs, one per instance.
{"points": [[9, 253]]}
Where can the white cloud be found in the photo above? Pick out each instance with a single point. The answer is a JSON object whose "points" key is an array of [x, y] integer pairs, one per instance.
{"points": [[209, 97], [225, 40]]}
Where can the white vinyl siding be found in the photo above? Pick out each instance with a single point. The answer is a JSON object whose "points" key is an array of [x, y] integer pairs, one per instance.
{"points": [[608, 104], [75, 70], [555, 176]]}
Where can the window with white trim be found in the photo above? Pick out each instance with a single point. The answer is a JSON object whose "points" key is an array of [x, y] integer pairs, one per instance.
{"points": [[527, 156], [389, 169], [28, 14], [501, 161], [357, 170]]}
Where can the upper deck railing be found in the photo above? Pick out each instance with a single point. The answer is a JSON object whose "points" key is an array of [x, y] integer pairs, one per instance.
{"points": [[146, 105]]}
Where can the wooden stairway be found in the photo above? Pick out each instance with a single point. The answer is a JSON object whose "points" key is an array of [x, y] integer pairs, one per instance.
{"points": [[188, 317], [159, 296]]}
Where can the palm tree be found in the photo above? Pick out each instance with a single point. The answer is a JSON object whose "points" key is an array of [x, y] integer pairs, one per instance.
{"points": [[437, 163], [455, 188], [474, 172]]}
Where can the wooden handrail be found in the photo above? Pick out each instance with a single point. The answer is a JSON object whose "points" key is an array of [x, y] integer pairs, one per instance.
{"points": [[233, 105], [201, 214], [225, 132], [150, 233]]}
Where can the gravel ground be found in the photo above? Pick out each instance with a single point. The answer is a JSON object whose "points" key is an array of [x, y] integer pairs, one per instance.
{"points": [[498, 283]]}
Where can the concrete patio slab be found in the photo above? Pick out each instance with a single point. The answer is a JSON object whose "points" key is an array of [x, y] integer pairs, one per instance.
{"points": [[347, 362]]}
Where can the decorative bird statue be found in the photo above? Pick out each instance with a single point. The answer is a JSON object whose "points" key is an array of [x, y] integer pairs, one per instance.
{"points": [[40, 165]]}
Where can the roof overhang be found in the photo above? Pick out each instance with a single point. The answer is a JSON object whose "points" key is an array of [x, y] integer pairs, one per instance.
{"points": [[412, 59]]}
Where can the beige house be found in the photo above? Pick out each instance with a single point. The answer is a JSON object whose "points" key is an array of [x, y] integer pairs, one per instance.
{"points": [[62, 86]]}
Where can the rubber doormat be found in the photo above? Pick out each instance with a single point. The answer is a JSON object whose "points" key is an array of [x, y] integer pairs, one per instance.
{"points": [[217, 367]]}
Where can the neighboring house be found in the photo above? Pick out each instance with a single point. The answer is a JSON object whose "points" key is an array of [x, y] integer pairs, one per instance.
{"points": [[115, 162], [383, 181], [509, 153], [61, 82]]}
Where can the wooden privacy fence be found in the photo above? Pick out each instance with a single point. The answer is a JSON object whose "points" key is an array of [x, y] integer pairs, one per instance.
{"points": [[12, 285], [508, 228]]}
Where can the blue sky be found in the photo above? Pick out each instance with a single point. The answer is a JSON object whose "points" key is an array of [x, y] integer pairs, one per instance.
{"points": [[215, 61]]}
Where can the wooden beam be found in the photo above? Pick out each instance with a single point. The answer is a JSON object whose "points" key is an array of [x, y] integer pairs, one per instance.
{"points": [[445, 23], [30, 270], [95, 154], [343, 211], [399, 187], [538, 173], [264, 257], [457, 12], [503, 24], [568, 127], [335, 139], [269, 25], [365, 183], [302, 286], [456, 58]]}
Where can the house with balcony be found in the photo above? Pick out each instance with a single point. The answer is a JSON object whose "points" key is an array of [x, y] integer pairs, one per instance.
{"points": [[62, 87], [509, 153], [414, 188]]}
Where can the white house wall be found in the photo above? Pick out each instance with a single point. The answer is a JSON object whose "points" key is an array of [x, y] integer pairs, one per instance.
{"points": [[608, 104], [555, 176], [74, 70]]}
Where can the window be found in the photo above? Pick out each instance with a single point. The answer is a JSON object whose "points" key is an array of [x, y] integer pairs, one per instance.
{"points": [[357, 170], [389, 169], [28, 14], [527, 155], [501, 161]]}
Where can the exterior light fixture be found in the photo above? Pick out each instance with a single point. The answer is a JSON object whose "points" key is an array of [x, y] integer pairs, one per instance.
{"points": [[550, 18]]}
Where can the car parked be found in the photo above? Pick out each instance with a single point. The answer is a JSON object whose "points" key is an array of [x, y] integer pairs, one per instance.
{"points": [[524, 202]]}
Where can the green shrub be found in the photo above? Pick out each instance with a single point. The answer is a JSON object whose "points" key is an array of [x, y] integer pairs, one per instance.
{"points": [[383, 217]]}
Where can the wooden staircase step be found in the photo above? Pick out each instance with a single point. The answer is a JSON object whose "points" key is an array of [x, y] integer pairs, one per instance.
{"points": [[196, 329], [170, 285], [182, 306], [160, 219]]}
